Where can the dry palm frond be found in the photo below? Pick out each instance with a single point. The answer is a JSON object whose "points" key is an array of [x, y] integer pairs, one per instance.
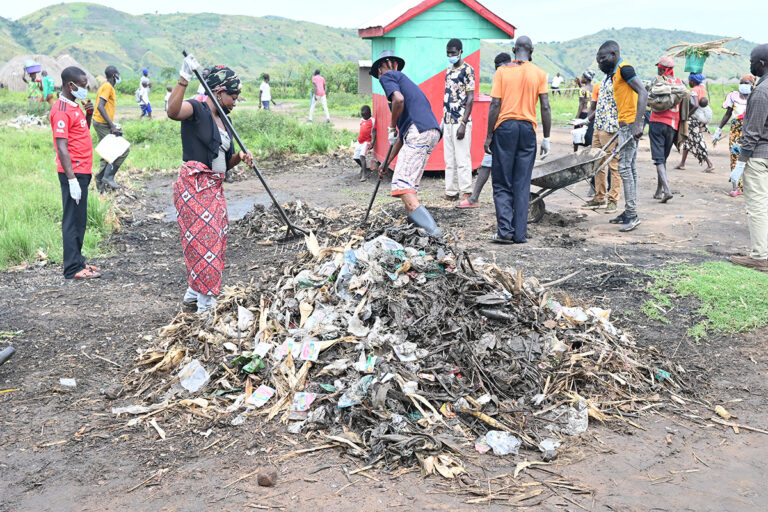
{"points": [[710, 47]]}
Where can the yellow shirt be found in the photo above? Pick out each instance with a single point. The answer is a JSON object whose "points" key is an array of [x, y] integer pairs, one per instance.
{"points": [[107, 92], [519, 88], [625, 96]]}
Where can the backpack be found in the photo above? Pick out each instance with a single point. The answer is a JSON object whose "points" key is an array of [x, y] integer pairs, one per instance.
{"points": [[664, 95]]}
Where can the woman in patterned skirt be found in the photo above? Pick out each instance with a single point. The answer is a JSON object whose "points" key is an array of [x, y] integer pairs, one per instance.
{"points": [[695, 143], [208, 151], [735, 105]]}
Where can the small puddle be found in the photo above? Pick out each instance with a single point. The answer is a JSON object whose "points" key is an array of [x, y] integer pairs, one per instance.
{"points": [[237, 205]]}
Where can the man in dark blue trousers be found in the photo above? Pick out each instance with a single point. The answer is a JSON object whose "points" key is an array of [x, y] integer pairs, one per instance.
{"points": [[517, 87]]}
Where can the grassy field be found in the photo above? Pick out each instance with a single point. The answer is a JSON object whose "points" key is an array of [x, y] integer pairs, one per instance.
{"points": [[731, 299], [30, 217]]}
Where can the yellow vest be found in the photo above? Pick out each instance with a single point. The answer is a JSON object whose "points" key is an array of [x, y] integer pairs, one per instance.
{"points": [[625, 96]]}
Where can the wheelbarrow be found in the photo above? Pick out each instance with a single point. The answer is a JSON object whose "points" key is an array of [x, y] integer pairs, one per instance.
{"points": [[563, 172]]}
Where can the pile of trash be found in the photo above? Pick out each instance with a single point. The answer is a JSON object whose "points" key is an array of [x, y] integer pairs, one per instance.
{"points": [[266, 223], [25, 121], [402, 350]]}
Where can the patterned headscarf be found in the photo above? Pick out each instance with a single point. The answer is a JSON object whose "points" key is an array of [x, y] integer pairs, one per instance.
{"points": [[748, 77], [589, 74], [223, 79]]}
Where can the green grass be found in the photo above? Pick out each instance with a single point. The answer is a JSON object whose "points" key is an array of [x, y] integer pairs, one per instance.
{"points": [[30, 210], [156, 143], [30, 216], [731, 299]]}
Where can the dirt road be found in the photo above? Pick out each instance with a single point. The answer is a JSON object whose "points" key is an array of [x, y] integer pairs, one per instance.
{"points": [[62, 449]]}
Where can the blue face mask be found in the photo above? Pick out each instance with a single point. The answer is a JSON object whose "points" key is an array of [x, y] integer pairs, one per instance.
{"points": [[453, 60], [79, 93], [118, 80]]}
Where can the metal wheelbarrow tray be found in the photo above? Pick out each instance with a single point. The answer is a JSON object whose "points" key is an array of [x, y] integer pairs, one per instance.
{"points": [[565, 171]]}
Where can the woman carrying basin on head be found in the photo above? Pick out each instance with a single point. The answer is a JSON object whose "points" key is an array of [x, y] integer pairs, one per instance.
{"points": [[207, 151]]}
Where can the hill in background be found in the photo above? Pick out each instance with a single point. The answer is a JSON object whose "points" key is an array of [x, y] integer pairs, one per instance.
{"points": [[97, 36], [640, 46]]}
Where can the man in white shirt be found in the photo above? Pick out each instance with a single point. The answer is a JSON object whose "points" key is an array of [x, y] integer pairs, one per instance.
{"points": [[144, 85], [556, 83], [265, 93]]}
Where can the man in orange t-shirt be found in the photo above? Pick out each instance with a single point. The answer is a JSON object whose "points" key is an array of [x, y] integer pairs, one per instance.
{"points": [[517, 87]]}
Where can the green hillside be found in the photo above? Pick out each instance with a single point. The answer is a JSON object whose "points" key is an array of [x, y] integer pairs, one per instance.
{"points": [[97, 36], [11, 41], [642, 47]]}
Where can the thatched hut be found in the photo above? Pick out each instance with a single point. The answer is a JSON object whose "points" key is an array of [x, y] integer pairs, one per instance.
{"points": [[11, 73]]}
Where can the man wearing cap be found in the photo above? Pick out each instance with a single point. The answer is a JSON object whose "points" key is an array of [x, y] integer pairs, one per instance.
{"points": [[517, 88], [631, 98], [413, 134], [753, 163]]}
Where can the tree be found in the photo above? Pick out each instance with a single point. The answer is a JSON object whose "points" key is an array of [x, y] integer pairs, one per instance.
{"points": [[167, 73]]}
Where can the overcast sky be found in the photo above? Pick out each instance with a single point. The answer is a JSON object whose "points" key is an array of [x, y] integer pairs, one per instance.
{"points": [[542, 20]]}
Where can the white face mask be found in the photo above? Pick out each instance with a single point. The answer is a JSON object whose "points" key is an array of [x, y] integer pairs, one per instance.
{"points": [[79, 93], [745, 89], [117, 79]]}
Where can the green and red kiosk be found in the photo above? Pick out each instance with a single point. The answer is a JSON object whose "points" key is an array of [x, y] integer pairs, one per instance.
{"points": [[418, 31]]}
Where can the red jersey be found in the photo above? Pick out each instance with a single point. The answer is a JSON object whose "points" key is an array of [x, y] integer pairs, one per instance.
{"points": [[68, 122], [366, 129], [669, 117]]}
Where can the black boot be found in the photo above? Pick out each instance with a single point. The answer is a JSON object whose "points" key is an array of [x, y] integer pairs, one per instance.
{"points": [[109, 177], [422, 218]]}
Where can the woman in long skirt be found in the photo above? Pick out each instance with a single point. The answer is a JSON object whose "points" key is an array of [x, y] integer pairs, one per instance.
{"points": [[208, 152]]}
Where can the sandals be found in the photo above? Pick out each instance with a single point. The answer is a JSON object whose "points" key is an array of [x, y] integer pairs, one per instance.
{"points": [[680, 167], [735, 193], [86, 274], [466, 204], [92, 268]]}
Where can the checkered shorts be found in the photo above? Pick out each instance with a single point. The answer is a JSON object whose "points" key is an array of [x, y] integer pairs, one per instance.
{"points": [[412, 159]]}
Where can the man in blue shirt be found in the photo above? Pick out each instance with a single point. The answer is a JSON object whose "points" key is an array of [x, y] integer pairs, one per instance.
{"points": [[413, 133]]}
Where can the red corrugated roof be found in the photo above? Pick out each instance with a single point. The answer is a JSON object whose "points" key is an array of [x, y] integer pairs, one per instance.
{"points": [[412, 8]]}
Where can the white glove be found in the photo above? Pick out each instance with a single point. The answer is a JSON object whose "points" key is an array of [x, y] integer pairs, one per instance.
{"points": [[545, 147], [737, 172], [188, 67], [74, 190], [717, 136], [392, 135]]}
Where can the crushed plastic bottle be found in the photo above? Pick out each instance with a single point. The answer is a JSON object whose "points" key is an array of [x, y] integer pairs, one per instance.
{"points": [[502, 443], [355, 395], [193, 376]]}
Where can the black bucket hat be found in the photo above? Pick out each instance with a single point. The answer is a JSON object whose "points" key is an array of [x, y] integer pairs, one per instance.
{"points": [[385, 55]]}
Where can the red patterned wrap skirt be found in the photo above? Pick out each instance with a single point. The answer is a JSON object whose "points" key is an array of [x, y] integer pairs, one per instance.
{"points": [[202, 217]]}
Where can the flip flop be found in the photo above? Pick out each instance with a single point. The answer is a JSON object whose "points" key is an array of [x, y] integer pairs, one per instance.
{"points": [[681, 167], [92, 268], [466, 204], [86, 274], [709, 169]]}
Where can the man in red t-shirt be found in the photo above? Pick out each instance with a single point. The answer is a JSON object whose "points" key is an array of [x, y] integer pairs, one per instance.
{"points": [[74, 159], [662, 132], [365, 139]]}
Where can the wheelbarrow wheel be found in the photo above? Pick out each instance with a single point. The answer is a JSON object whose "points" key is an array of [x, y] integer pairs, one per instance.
{"points": [[535, 209]]}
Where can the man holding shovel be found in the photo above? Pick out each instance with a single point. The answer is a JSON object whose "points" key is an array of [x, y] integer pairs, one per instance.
{"points": [[413, 134]]}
